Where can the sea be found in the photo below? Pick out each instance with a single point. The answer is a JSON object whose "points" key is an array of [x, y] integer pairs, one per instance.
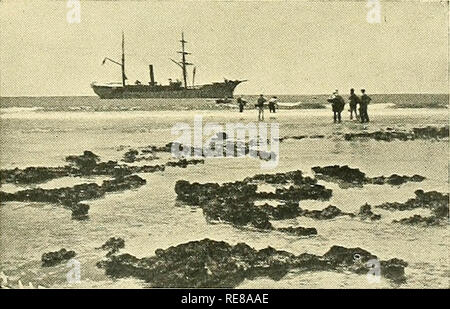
{"points": [[42, 131]]}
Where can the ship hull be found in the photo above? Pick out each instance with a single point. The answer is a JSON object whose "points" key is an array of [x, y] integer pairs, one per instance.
{"points": [[215, 90]]}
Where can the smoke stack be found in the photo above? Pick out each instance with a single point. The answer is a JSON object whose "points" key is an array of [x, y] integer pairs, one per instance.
{"points": [[152, 76]]}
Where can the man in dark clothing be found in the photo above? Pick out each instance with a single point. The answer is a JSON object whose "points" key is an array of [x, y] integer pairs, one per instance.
{"points": [[241, 103], [365, 100], [337, 104], [354, 101], [260, 106], [273, 104]]}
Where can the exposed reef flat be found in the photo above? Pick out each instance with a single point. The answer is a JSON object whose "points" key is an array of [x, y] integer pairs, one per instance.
{"points": [[219, 146], [435, 201], [235, 202], [54, 258], [133, 155], [32, 174], [113, 245], [389, 134], [70, 197], [300, 137], [329, 212], [353, 177], [212, 264], [365, 212], [87, 164], [419, 220], [427, 133]]}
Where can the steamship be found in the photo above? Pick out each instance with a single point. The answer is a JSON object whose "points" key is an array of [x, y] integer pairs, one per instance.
{"points": [[175, 89]]}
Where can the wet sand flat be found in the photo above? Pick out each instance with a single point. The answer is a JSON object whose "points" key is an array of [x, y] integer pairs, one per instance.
{"points": [[149, 217]]}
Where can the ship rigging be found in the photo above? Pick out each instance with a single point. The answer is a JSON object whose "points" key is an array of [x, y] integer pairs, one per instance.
{"points": [[155, 90]]}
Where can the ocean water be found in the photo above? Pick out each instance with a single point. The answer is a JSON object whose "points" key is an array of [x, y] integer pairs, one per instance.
{"points": [[149, 217]]}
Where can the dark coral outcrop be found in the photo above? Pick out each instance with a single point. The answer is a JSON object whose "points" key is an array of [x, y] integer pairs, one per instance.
{"points": [[429, 132], [436, 202], [211, 264], [113, 245], [329, 212], [54, 258], [70, 197], [365, 212], [419, 220], [353, 177], [234, 202], [298, 231]]}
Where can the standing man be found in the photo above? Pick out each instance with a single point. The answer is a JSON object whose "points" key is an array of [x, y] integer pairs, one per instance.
{"points": [[365, 100], [337, 105], [354, 101], [273, 102], [241, 103], [260, 106]]}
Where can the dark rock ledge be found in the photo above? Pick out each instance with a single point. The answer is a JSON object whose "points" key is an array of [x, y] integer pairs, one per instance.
{"points": [[219, 147], [70, 197], [84, 165], [234, 202], [387, 135], [54, 258], [211, 264], [427, 133], [299, 137], [113, 245], [437, 202], [353, 177]]}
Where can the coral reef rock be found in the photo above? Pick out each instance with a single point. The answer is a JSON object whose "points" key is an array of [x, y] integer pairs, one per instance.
{"points": [[211, 264], [390, 135], [70, 197], [298, 231], [56, 257], [234, 202], [113, 245], [365, 212], [435, 201], [329, 212], [349, 177], [419, 220]]}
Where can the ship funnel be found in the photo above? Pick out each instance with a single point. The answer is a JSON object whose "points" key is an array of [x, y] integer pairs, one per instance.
{"points": [[152, 76]]}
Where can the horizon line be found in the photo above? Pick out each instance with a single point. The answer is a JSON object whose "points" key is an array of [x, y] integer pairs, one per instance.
{"points": [[255, 94]]}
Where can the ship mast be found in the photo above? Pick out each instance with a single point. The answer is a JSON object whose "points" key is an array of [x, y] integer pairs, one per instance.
{"points": [[183, 53], [123, 59], [122, 64]]}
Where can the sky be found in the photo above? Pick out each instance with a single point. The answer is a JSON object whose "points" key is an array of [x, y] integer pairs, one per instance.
{"points": [[281, 47]]}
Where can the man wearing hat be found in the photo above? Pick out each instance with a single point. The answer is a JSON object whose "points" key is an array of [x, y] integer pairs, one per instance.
{"points": [[273, 104], [241, 102], [260, 106], [365, 99], [337, 105], [354, 101]]}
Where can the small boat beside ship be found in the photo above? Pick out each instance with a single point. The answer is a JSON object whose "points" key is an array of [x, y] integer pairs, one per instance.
{"points": [[175, 89]]}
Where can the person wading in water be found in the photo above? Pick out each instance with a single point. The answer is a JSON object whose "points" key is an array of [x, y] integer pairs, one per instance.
{"points": [[241, 102], [273, 103], [337, 105], [260, 106], [354, 101], [365, 100]]}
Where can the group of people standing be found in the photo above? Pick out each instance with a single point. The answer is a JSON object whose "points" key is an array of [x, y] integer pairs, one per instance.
{"points": [[273, 104], [336, 100], [338, 104]]}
